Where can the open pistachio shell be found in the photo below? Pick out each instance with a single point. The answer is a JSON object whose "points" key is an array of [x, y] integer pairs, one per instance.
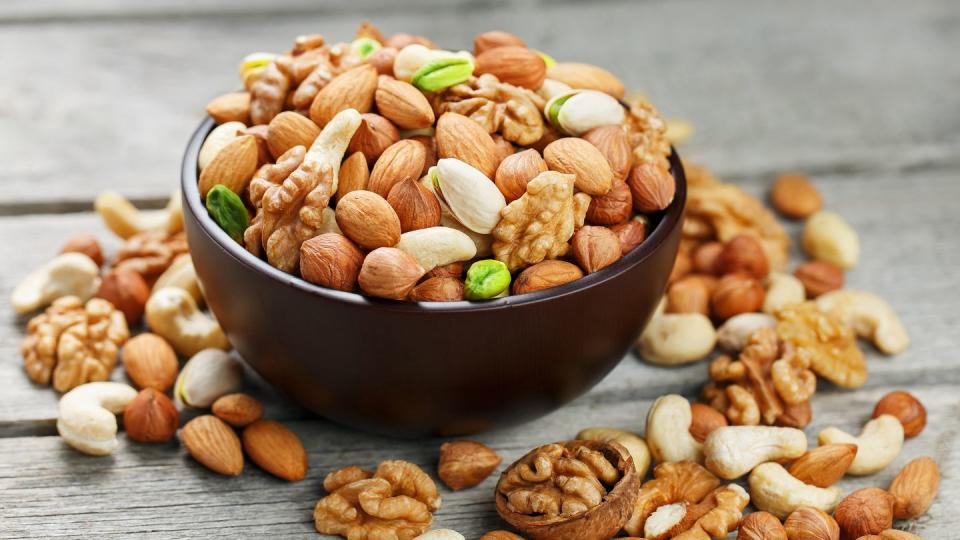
{"points": [[471, 197]]}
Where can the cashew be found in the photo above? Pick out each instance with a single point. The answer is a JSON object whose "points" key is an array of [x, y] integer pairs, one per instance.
{"points": [[676, 338], [732, 451], [125, 220], [827, 237], [783, 290], [877, 446], [437, 246], [173, 315], [69, 274], [207, 376], [734, 334], [635, 445], [440, 534], [181, 274], [216, 140], [86, 418], [870, 316], [774, 490], [668, 431]]}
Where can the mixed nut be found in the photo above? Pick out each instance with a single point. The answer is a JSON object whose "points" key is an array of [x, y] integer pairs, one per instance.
{"points": [[368, 165]]}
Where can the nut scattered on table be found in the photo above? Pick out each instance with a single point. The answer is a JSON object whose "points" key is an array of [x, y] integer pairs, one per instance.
{"points": [[464, 464]]}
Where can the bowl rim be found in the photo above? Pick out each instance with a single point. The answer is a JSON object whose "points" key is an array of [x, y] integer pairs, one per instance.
{"points": [[671, 218]]}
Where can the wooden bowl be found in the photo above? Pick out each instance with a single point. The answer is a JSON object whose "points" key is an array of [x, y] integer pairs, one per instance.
{"points": [[413, 369]]}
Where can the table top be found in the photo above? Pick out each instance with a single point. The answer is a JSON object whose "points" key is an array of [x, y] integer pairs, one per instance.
{"points": [[861, 95]]}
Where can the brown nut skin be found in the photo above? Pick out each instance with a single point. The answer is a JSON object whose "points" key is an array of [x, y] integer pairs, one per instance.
{"points": [[87, 244], [238, 410], [331, 260], [612, 208], [382, 59], [404, 105], [501, 535], [389, 273], [761, 526], [736, 294], [438, 289], [652, 188], [402, 161], [819, 277], [598, 523], [127, 291], [743, 253], [354, 174], [631, 233], [865, 511], [544, 275], [151, 417], [493, 39], [915, 487], [275, 449], [373, 137], [464, 464], [430, 151], [259, 133], [706, 258], [454, 270], [907, 408], [516, 170], [705, 420], [514, 65], [807, 523], [795, 197], [688, 295], [150, 362], [797, 416], [595, 248], [825, 465], [213, 444], [573, 155], [457, 136], [368, 219], [416, 206], [402, 39], [614, 144]]}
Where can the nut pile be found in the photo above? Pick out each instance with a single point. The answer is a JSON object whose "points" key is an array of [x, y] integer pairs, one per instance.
{"points": [[409, 172]]}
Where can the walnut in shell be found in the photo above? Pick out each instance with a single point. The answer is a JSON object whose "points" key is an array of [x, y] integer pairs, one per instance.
{"points": [[539, 224]]}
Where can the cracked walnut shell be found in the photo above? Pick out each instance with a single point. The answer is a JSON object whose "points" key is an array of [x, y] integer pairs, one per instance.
{"points": [[499, 107], [538, 225], [73, 343], [827, 344], [673, 482]]}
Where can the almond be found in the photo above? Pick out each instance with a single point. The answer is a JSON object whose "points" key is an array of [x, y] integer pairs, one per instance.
{"points": [[403, 104], [586, 76], [514, 65], [865, 511], [906, 408], [819, 277], [795, 197], [705, 419], [595, 248], [631, 233], [352, 89], [259, 133], [402, 161], [373, 137], [389, 273], [576, 156], [402, 39], [289, 129], [613, 143], [150, 362], [430, 146], [438, 289], [85, 243], [545, 275], [232, 107], [233, 166], [275, 449], [382, 59], [612, 208], [504, 148], [652, 188], [464, 464], [213, 444], [688, 294], [454, 270], [516, 170], [460, 137], [824, 466], [416, 206], [368, 219], [331, 260], [354, 174], [151, 417], [914, 488], [127, 291], [494, 39], [238, 409]]}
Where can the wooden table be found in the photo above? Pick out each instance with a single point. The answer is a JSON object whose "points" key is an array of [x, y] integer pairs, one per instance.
{"points": [[103, 94]]}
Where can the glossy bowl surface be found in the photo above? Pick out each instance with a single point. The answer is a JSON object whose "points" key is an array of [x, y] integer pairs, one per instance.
{"points": [[410, 369]]}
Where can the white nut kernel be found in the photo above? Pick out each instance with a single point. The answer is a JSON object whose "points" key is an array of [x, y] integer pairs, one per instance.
{"points": [[676, 338], [732, 451], [668, 431], [471, 197], [437, 246], [87, 416], [125, 220], [783, 290], [585, 110], [207, 376], [68, 274], [181, 274], [552, 88], [774, 490], [219, 137], [877, 446], [735, 333], [828, 237], [482, 242], [635, 445], [173, 315], [440, 534], [870, 316]]}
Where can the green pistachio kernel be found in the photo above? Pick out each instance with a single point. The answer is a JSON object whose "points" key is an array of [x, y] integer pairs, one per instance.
{"points": [[486, 279], [553, 112], [442, 73], [547, 59], [227, 210], [365, 46]]}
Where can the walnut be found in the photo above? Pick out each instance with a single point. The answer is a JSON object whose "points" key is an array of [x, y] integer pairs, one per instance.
{"points": [[499, 107], [395, 503], [539, 224], [268, 95], [74, 342], [823, 341], [648, 134], [673, 482], [150, 253]]}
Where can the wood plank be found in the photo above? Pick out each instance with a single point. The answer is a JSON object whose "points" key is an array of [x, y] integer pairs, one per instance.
{"points": [[859, 86]]}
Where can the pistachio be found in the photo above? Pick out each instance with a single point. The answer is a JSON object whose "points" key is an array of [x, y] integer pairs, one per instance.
{"points": [[471, 197], [253, 65], [579, 112], [364, 47], [442, 73], [227, 210], [486, 279], [414, 56], [208, 375]]}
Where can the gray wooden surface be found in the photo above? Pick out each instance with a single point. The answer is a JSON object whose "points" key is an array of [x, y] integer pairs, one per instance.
{"points": [[103, 94]]}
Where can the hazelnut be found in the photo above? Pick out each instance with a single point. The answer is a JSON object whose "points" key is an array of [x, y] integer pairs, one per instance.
{"points": [[84, 243], [516, 170], [812, 523], [761, 526], [595, 248], [544, 275], [865, 511], [374, 135], [389, 273], [127, 291], [705, 420], [493, 39], [906, 408], [743, 253], [331, 260], [454, 269], [382, 59], [631, 233], [681, 266], [614, 144], [151, 417], [464, 464], [416, 206], [795, 197], [819, 277], [706, 258], [438, 289], [652, 187], [688, 295], [611, 208], [736, 294]]}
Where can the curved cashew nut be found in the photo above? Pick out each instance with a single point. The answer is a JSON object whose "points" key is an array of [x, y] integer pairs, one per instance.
{"points": [[173, 315], [207, 376], [126, 220], [774, 490], [437, 246], [783, 290], [86, 418], [440, 534], [733, 451], [870, 316], [877, 446], [635, 445], [69, 274], [182, 275], [676, 338], [668, 431], [734, 334], [218, 138]]}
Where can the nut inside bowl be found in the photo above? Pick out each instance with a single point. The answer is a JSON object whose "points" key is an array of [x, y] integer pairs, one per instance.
{"points": [[411, 369]]}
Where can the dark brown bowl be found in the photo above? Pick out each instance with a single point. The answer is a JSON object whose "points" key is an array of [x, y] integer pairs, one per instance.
{"points": [[410, 369]]}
